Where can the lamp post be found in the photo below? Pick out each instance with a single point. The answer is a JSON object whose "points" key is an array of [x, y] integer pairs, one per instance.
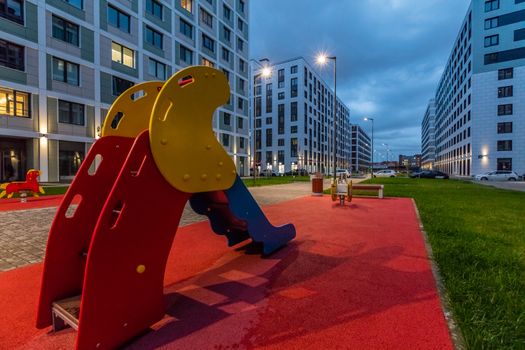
{"points": [[372, 152], [387, 150], [322, 60]]}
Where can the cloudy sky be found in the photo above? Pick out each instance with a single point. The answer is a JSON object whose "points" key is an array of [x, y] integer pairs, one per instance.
{"points": [[390, 54]]}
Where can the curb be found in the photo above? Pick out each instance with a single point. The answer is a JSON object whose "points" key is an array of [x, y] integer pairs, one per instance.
{"points": [[455, 332]]}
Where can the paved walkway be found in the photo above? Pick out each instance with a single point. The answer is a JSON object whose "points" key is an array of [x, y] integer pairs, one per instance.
{"points": [[23, 233], [506, 185]]}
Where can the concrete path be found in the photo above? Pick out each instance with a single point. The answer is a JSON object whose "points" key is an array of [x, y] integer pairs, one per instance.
{"points": [[506, 185], [23, 233]]}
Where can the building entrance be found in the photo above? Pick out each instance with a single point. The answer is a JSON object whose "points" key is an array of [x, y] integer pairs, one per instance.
{"points": [[13, 165]]}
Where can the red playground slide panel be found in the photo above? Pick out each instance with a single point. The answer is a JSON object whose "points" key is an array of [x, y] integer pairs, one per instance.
{"points": [[123, 283], [70, 236]]}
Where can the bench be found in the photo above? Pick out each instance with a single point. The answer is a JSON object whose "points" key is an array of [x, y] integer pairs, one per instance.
{"points": [[378, 188]]}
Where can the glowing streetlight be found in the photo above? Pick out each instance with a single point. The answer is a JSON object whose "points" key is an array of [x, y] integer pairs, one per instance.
{"points": [[322, 59], [266, 72]]}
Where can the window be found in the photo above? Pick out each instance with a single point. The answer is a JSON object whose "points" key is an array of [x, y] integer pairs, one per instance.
{"points": [[293, 69], [240, 103], [77, 3], [519, 34], [68, 162], [187, 5], [293, 111], [65, 71], [153, 37], [505, 128], [227, 74], [157, 69], [506, 73], [227, 119], [118, 19], [207, 63], [505, 91], [11, 55], [13, 10], [120, 85], [505, 109], [504, 164], [280, 95], [208, 43], [491, 40], [242, 84], [227, 12], [505, 145], [225, 54], [14, 103], [226, 140], [206, 18], [242, 65], [293, 87], [293, 147], [491, 22], [240, 25], [491, 5], [280, 78], [186, 28], [269, 137], [186, 55], [65, 30], [293, 129], [122, 55], [240, 44], [504, 56], [227, 34], [154, 7], [241, 142], [257, 90], [240, 123], [241, 6], [70, 113]]}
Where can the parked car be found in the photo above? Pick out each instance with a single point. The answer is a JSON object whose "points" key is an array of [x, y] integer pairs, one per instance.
{"points": [[498, 175], [268, 173], [342, 172], [299, 172], [385, 173], [430, 174]]}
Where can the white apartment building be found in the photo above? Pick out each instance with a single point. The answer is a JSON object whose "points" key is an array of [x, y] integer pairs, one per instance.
{"points": [[293, 120], [480, 100], [428, 136], [63, 62], [361, 150]]}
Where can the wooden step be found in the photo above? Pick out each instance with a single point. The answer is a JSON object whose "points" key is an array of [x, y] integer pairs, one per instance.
{"points": [[65, 313]]}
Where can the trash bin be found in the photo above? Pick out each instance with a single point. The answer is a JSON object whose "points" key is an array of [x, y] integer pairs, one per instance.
{"points": [[317, 184]]}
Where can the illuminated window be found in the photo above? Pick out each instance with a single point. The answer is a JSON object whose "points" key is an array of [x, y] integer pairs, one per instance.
{"points": [[187, 5], [207, 63], [122, 55], [14, 103]]}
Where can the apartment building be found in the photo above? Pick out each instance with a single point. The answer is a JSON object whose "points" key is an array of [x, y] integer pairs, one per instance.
{"points": [[293, 119], [361, 150], [480, 100], [63, 62], [428, 136]]}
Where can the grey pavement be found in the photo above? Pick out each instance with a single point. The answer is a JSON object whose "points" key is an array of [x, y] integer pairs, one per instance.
{"points": [[23, 233], [506, 185]]}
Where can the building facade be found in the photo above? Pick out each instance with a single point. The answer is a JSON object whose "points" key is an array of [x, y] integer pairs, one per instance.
{"points": [[480, 100], [361, 150], [410, 162], [293, 120], [428, 136], [63, 62]]}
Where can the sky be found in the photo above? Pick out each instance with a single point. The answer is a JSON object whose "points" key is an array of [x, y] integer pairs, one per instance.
{"points": [[390, 55]]}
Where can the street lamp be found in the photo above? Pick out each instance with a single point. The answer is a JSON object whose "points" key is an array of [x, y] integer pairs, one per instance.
{"points": [[387, 150], [322, 59], [372, 120]]}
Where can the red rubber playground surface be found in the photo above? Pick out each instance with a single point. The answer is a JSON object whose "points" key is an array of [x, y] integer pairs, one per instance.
{"points": [[356, 277]]}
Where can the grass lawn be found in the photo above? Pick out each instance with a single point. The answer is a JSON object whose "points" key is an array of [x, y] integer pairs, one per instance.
{"points": [[274, 180], [477, 235], [55, 190]]}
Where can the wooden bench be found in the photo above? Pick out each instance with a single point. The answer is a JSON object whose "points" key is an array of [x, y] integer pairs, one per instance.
{"points": [[378, 188]]}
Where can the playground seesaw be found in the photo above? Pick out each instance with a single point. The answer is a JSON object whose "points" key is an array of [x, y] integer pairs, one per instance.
{"points": [[105, 259]]}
